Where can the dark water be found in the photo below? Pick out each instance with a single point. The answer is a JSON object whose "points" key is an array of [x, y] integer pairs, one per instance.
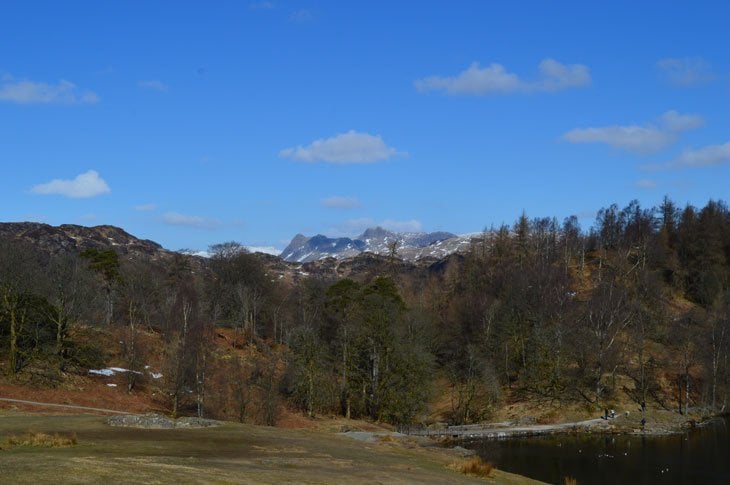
{"points": [[699, 456]]}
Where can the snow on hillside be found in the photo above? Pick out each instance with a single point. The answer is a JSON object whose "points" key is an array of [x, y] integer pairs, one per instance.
{"points": [[410, 246]]}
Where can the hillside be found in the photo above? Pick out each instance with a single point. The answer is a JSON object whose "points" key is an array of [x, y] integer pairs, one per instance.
{"points": [[536, 319], [75, 238]]}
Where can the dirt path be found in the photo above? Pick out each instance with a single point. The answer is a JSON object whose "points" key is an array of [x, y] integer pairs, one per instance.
{"points": [[67, 406], [501, 430]]}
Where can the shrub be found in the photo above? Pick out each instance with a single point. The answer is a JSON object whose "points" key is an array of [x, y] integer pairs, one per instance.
{"points": [[474, 466], [43, 440]]}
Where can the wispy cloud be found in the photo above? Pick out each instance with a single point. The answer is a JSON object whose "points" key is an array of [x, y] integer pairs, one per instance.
{"points": [[85, 185], [648, 138], [411, 225], [145, 207], [345, 148], [645, 184], [31, 92], [341, 202], [495, 79], [300, 16], [177, 219], [708, 156], [686, 71], [153, 85], [261, 5], [355, 227]]}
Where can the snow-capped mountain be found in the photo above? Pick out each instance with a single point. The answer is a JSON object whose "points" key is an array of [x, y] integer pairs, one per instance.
{"points": [[410, 246]]}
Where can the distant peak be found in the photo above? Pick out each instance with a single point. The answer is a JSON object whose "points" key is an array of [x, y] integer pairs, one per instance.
{"points": [[375, 232]]}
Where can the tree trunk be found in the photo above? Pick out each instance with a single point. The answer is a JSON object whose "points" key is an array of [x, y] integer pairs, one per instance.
{"points": [[200, 384], [679, 392], [686, 390], [109, 306], [310, 392], [345, 383], [13, 367]]}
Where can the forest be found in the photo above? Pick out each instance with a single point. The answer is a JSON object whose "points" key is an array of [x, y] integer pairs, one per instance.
{"points": [[636, 305]]}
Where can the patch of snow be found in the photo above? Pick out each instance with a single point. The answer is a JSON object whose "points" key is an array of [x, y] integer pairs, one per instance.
{"points": [[110, 371], [264, 249], [122, 369], [101, 372], [302, 258], [156, 375], [202, 254], [111, 385]]}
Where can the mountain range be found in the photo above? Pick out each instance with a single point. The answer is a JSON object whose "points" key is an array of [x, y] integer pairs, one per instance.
{"points": [[409, 246]]}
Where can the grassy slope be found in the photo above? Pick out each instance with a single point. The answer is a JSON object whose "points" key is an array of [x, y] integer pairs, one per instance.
{"points": [[232, 453]]}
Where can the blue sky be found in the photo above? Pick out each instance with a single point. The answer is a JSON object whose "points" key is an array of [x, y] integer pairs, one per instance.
{"points": [[192, 123]]}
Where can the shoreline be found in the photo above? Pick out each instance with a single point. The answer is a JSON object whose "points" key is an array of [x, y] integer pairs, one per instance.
{"points": [[658, 423]]}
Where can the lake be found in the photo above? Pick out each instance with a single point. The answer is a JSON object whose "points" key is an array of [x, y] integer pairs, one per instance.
{"points": [[700, 455]]}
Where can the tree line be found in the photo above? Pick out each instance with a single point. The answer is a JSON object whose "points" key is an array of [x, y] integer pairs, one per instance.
{"points": [[638, 304]]}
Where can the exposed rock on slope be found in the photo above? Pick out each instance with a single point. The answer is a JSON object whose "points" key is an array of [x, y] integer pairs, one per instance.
{"points": [[73, 238]]}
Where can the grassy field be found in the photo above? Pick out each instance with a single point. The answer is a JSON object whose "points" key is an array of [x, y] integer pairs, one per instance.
{"points": [[231, 453]]}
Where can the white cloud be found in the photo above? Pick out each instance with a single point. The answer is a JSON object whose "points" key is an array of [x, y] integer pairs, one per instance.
{"points": [[631, 138], [709, 156], [153, 85], [341, 202], [686, 71], [177, 219], [88, 184], [557, 76], [350, 147], [145, 207], [676, 122], [29, 92], [495, 79], [645, 184], [647, 138]]}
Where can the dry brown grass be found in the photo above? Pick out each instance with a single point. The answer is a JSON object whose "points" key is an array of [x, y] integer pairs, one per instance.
{"points": [[551, 417], [42, 440], [570, 481], [473, 466]]}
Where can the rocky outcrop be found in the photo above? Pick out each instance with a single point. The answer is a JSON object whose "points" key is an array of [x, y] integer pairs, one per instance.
{"points": [[75, 238]]}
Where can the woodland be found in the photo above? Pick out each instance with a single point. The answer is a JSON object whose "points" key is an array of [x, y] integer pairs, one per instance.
{"points": [[637, 307]]}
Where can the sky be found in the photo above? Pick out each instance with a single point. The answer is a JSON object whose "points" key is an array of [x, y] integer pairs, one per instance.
{"points": [[193, 123]]}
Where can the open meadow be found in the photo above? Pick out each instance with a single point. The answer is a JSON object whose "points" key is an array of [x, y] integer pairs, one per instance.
{"points": [[230, 453]]}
